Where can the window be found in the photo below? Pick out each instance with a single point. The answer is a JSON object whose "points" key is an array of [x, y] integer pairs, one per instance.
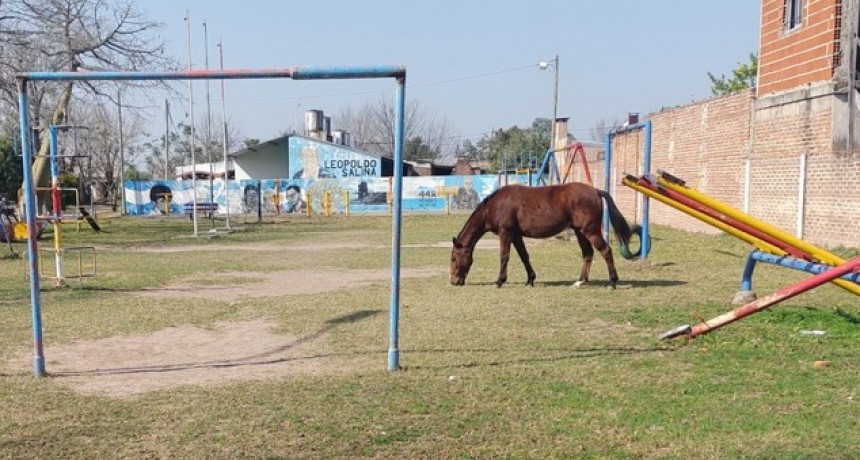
{"points": [[793, 14]]}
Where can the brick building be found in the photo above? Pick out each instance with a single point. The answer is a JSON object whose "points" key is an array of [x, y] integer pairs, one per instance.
{"points": [[786, 152]]}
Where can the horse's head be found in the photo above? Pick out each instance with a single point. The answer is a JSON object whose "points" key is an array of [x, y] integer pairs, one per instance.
{"points": [[461, 262]]}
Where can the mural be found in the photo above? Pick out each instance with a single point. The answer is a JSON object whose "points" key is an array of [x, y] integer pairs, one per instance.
{"points": [[294, 202], [310, 159], [286, 196]]}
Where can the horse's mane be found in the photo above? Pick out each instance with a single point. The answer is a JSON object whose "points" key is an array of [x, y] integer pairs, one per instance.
{"points": [[487, 199], [479, 211]]}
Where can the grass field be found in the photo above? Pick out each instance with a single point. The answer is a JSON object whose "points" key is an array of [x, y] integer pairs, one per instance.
{"points": [[544, 372]]}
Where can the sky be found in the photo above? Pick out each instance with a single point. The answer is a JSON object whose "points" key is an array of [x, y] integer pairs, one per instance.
{"points": [[474, 64]]}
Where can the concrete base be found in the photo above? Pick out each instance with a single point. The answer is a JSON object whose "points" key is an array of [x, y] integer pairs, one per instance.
{"points": [[743, 297]]}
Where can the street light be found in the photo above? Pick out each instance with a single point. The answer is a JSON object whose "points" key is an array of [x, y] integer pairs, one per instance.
{"points": [[543, 65]]}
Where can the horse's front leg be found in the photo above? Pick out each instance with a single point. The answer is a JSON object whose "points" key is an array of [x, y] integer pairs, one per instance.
{"points": [[587, 257], [520, 245], [504, 256]]}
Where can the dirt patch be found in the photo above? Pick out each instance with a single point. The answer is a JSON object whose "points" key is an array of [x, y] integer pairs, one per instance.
{"points": [[186, 355], [248, 247], [273, 284]]}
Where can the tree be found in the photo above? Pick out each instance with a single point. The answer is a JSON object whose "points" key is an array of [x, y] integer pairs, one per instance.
{"points": [[468, 150], [415, 149], [515, 146], [160, 165], [600, 129], [11, 174], [372, 129], [104, 161], [70, 35], [743, 77]]}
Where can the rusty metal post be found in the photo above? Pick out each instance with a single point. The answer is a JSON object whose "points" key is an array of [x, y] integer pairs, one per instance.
{"points": [[765, 302]]}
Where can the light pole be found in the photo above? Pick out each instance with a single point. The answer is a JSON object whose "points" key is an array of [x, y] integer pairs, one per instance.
{"points": [[208, 144], [543, 65]]}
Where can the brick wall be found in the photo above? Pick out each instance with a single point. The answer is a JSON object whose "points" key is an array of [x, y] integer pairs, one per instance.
{"points": [[805, 54], [705, 144], [708, 144], [832, 204], [462, 167]]}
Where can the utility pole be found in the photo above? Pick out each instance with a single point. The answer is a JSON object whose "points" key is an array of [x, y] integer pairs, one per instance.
{"points": [[121, 155], [167, 139], [554, 106], [224, 137], [191, 116], [208, 144]]}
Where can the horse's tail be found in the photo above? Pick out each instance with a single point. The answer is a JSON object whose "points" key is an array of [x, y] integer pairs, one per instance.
{"points": [[622, 229]]}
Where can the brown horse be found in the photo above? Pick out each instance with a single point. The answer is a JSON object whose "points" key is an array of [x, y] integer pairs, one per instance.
{"points": [[515, 211]]}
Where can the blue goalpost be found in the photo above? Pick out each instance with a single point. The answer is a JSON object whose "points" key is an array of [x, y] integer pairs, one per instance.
{"points": [[295, 73]]}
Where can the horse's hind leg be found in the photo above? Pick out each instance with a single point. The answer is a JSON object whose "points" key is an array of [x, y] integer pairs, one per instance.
{"points": [[504, 256], [524, 256], [587, 257], [599, 243]]}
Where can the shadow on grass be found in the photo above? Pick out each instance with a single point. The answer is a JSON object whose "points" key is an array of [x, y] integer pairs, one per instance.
{"points": [[850, 317], [622, 284], [259, 359], [559, 354], [730, 254]]}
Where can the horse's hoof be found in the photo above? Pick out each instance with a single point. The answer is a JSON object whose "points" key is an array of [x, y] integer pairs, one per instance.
{"points": [[578, 284], [611, 287]]}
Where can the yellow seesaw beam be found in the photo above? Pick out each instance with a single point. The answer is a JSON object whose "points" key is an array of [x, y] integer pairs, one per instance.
{"points": [[759, 244], [822, 255]]}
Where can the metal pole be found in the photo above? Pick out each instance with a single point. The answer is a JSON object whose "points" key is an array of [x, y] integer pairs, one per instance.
{"points": [[224, 138], [607, 179], [166, 140], [394, 340], [295, 73], [121, 154], [554, 107], [32, 233], [208, 144], [787, 262], [55, 203], [785, 293], [645, 237], [191, 116]]}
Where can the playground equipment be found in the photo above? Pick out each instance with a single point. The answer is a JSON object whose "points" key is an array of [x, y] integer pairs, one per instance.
{"points": [[60, 273], [297, 73], [645, 236], [756, 306], [6, 224], [549, 166], [772, 245]]}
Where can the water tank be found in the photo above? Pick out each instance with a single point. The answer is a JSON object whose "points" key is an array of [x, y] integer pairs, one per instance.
{"points": [[313, 121], [339, 137]]}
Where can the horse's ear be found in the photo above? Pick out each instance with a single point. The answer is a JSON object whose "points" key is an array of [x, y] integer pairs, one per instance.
{"points": [[457, 243]]}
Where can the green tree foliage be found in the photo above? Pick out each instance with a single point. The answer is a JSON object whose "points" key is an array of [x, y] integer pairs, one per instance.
{"points": [[132, 173], [742, 78], [11, 172], [468, 150], [515, 146], [416, 149]]}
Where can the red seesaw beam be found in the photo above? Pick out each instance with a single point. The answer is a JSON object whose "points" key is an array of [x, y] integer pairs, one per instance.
{"points": [[765, 302]]}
